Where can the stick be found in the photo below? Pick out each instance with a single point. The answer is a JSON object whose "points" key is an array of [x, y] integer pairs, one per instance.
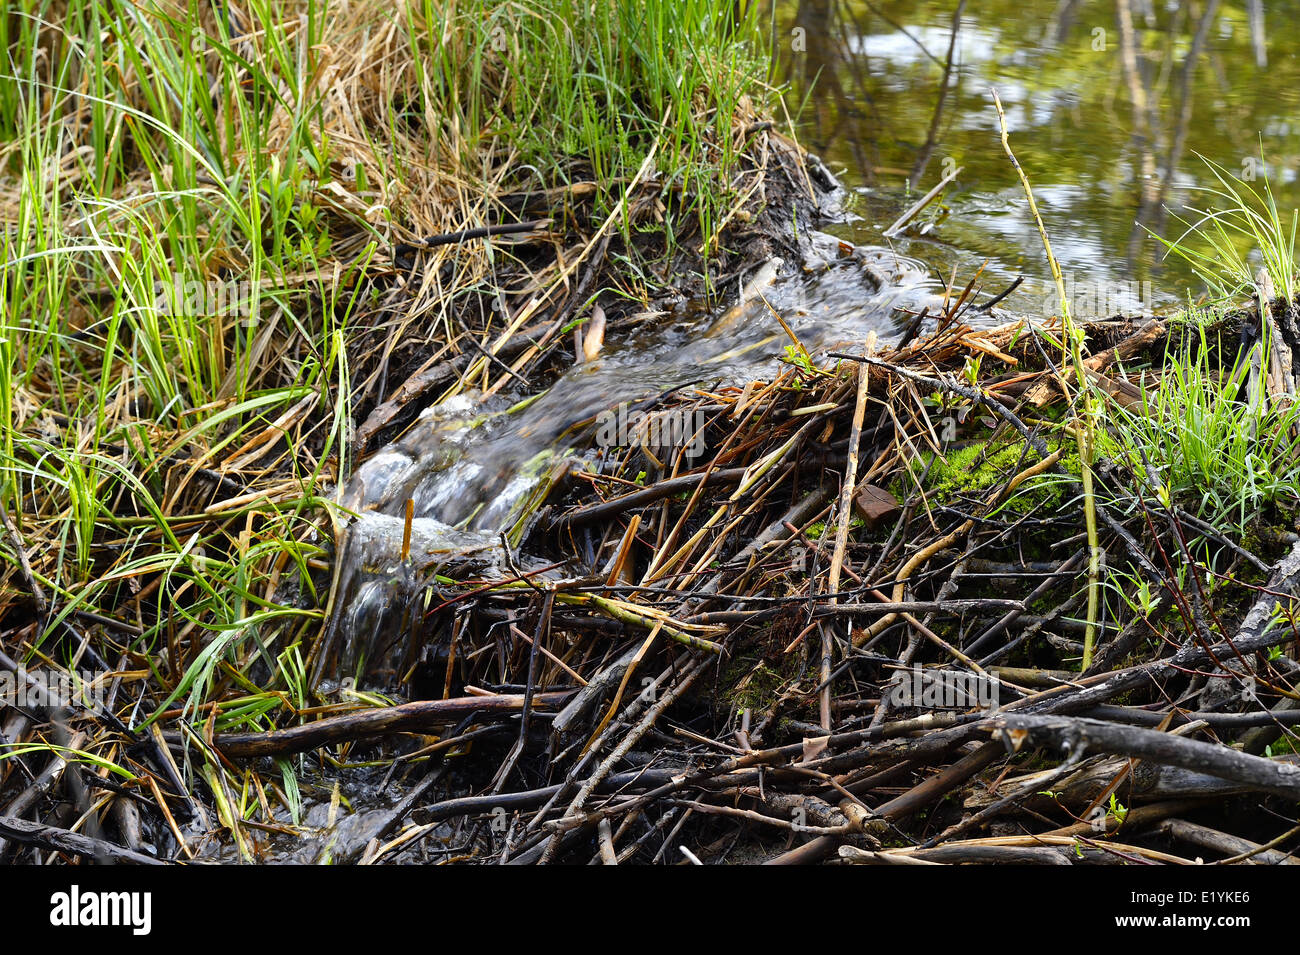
{"points": [[1072, 733], [61, 840], [847, 488], [383, 721]]}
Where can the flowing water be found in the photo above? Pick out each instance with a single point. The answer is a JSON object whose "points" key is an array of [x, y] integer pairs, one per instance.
{"points": [[901, 100], [468, 465]]}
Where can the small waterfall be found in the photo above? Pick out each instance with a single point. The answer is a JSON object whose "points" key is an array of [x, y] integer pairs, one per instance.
{"points": [[467, 464]]}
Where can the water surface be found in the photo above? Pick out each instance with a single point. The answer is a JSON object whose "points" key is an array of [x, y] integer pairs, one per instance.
{"points": [[1110, 125]]}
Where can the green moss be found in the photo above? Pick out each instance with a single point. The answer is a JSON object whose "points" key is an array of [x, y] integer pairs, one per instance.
{"points": [[1282, 746], [817, 529], [756, 689], [977, 468], [753, 684]]}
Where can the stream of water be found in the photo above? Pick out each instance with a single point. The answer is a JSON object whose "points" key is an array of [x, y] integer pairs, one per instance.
{"points": [[468, 464]]}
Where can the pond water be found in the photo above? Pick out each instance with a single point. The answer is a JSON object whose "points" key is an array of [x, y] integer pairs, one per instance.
{"points": [[1110, 124]]}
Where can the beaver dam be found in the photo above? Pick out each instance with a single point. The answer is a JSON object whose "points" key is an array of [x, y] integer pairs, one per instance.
{"points": [[484, 433]]}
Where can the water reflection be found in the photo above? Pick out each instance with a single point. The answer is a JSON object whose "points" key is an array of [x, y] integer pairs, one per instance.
{"points": [[1109, 103]]}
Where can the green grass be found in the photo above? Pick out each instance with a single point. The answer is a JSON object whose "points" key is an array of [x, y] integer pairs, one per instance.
{"points": [[1194, 442], [116, 393], [1218, 241], [1199, 438], [577, 91]]}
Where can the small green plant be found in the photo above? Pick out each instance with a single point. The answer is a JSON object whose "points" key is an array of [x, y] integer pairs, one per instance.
{"points": [[1193, 443], [1136, 591], [1218, 242], [796, 356], [1116, 810]]}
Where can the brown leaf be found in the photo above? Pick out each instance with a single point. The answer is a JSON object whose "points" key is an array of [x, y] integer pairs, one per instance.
{"points": [[875, 505]]}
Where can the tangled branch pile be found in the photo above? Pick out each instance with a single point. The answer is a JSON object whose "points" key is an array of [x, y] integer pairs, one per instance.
{"points": [[700, 666], [850, 625]]}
